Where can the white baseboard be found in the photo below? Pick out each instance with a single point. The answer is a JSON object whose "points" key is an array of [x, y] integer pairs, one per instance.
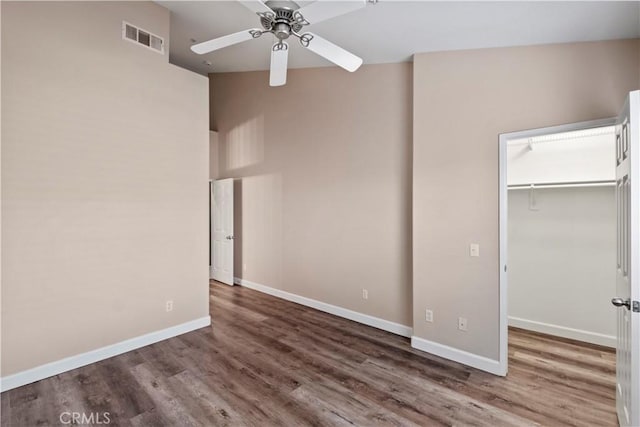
{"points": [[473, 360], [460, 356], [59, 366], [385, 325], [564, 332]]}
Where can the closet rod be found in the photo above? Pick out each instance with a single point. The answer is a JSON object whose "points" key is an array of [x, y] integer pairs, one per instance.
{"points": [[563, 185], [566, 136]]}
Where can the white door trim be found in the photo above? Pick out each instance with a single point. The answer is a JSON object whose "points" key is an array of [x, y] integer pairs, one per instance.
{"points": [[504, 138], [211, 229]]}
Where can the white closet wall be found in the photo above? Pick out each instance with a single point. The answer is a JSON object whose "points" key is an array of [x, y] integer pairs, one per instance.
{"points": [[561, 243], [561, 262], [567, 157]]}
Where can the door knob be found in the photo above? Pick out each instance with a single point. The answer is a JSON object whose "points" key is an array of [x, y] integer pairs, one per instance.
{"points": [[619, 302], [230, 237]]}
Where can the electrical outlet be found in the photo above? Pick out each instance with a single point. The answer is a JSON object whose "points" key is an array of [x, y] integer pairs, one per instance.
{"points": [[169, 306], [365, 294], [462, 323], [428, 316]]}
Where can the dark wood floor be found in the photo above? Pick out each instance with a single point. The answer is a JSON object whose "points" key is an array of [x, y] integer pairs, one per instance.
{"points": [[270, 362]]}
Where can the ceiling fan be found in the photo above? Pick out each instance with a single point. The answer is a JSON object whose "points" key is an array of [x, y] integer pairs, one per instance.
{"points": [[284, 19]]}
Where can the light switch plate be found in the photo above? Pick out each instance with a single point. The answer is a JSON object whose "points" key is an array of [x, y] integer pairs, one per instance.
{"points": [[428, 315], [474, 249]]}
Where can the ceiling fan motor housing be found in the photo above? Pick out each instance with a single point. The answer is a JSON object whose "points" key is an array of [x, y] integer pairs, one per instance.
{"points": [[281, 30], [284, 21]]}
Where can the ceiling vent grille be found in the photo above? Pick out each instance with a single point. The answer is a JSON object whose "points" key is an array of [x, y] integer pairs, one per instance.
{"points": [[142, 37]]}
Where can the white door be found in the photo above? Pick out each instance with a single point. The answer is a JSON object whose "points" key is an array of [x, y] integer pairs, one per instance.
{"points": [[222, 231], [627, 299]]}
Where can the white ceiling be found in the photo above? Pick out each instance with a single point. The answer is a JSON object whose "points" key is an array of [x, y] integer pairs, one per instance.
{"points": [[393, 30]]}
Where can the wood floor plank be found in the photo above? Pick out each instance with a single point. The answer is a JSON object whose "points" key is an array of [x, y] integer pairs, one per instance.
{"points": [[338, 406], [241, 313], [99, 402], [5, 409], [591, 360], [269, 362], [202, 402], [592, 377], [115, 373], [224, 382], [542, 381], [150, 418], [465, 411], [244, 389], [34, 404], [250, 352], [165, 362], [167, 402]]}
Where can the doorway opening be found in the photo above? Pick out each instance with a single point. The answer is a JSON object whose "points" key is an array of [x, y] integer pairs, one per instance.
{"points": [[625, 157], [558, 233]]}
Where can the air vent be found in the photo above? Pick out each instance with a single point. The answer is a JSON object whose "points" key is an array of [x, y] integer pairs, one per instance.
{"points": [[142, 37]]}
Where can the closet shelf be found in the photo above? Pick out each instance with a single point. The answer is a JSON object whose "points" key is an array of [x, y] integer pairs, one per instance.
{"points": [[576, 184]]}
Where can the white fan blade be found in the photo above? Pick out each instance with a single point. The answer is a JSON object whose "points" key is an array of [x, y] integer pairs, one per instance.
{"points": [[320, 10], [333, 53], [220, 42], [256, 6], [279, 57]]}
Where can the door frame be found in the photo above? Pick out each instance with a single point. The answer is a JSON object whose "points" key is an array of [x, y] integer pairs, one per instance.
{"points": [[504, 139], [211, 229]]}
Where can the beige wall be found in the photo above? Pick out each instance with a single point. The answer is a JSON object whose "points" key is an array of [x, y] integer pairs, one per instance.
{"points": [[462, 101], [104, 171], [323, 196]]}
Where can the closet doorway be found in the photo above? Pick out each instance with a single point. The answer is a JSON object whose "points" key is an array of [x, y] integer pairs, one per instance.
{"points": [[562, 234], [558, 233], [580, 365]]}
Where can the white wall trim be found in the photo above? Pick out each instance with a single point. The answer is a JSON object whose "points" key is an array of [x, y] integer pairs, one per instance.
{"points": [[563, 331], [460, 356], [63, 365], [503, 218], [376, 322]]}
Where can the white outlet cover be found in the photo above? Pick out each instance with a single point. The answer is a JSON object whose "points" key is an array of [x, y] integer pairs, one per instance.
{"points": [[428, 315], [462, 323]]}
